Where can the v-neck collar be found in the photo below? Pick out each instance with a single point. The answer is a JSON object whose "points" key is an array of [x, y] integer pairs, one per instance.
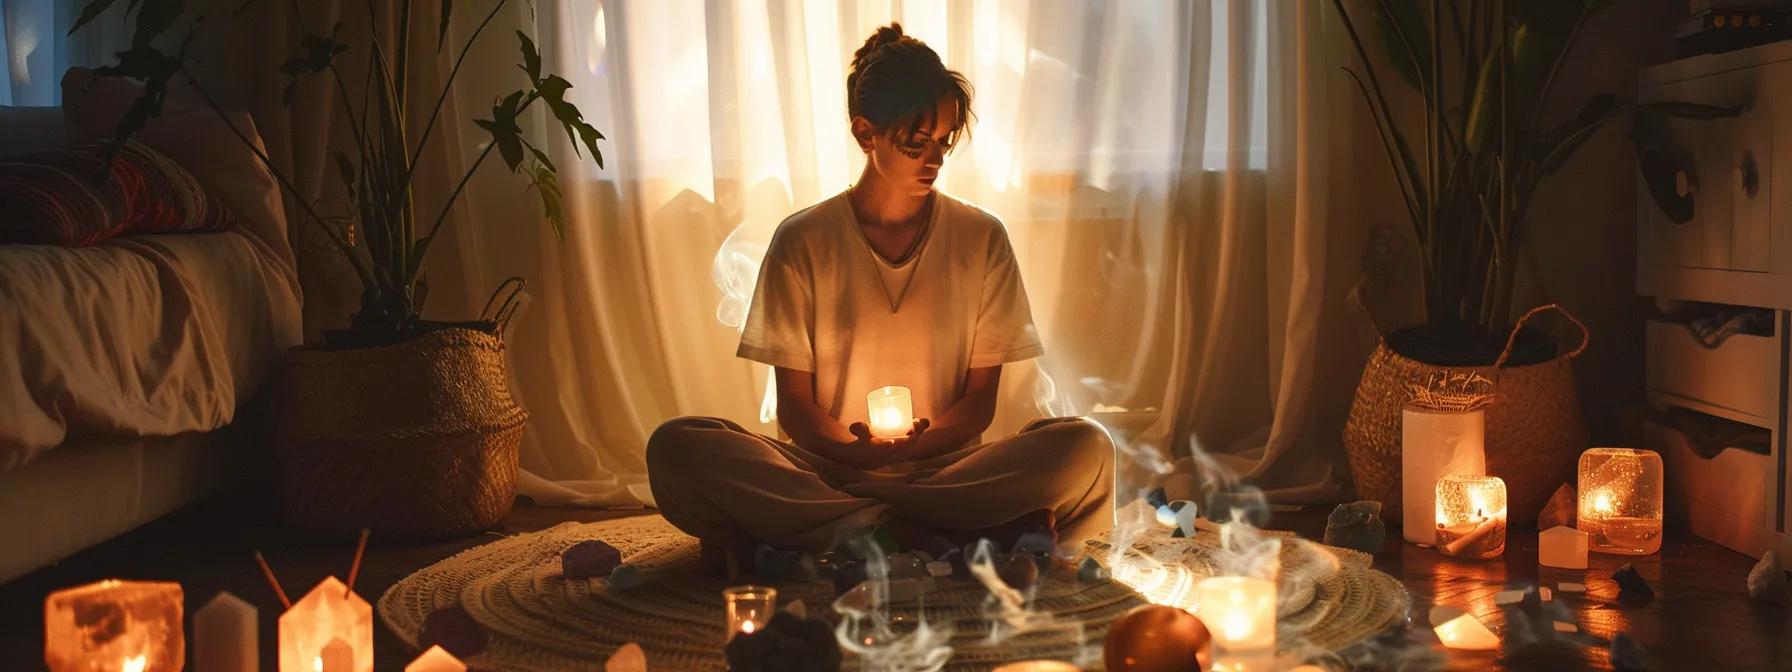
{"points": [[912, 259]]}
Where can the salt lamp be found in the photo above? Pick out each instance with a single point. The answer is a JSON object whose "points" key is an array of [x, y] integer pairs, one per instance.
{"points": [[329, 617], [115, 625], [436, 660], [1620, 500], [1157, 638]]}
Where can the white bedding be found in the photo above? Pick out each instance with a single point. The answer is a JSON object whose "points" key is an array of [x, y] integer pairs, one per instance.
{"points": [[144, 336]]}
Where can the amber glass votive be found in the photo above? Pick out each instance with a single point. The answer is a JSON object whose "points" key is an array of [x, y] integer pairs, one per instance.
{"points": [[1620, 500], [1471, 516]]}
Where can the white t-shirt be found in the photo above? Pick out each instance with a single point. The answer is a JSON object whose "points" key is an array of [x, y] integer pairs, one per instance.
{"points": [[827, 303]]}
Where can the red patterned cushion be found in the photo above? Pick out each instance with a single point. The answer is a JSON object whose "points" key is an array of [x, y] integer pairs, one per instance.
{"points": [[53, 198]]}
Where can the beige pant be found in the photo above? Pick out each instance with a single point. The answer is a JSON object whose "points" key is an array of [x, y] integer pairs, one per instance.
{"points": [[710, 473]]}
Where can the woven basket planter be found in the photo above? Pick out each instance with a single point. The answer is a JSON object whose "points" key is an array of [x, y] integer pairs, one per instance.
{"points": [[1535, 430], [417, 439]]}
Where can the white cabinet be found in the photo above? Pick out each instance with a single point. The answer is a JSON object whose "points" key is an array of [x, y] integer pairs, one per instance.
{"points": [[1736, 249]]}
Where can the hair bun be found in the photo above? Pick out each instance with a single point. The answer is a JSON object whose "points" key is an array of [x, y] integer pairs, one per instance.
{"points": [[885, 35]]}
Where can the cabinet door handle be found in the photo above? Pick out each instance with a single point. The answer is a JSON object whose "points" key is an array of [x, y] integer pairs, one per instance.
{"points": [[1747, 176], [1682, 183]]}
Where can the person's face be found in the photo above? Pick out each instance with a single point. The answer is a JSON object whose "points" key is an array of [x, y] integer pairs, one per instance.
{"points": [[909, 162]]}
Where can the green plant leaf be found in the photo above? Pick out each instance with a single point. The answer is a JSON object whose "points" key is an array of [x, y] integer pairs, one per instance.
{"points": [[531, 57], [347, 170], [316, 54], [92, 11], [442, 30], [547, 185], [540, 156], [1405, 39], [1481, 109], [155, 17], [504, 130], [552, 90]]}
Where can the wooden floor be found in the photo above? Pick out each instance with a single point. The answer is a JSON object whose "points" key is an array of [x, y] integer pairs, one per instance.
{"points": [[1700, 620]]}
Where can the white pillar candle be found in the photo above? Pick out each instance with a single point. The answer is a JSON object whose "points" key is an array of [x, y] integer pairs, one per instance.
{"points": [[436, 659], [1240, 612], [892, 411], [1563, 547], [749, 608], [226, 636], [1435, 444]]}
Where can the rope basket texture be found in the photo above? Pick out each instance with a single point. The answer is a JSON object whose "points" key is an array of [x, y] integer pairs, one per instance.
{"points": [[1535, 431], [417, 439]]}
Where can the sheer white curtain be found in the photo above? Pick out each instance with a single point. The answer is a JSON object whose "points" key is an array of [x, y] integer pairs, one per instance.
{"points": [[1159, 165], [38, 49]]}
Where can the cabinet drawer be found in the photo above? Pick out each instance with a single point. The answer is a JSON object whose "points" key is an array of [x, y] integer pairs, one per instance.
{"points": [[1741, 376], [1729, 172]]}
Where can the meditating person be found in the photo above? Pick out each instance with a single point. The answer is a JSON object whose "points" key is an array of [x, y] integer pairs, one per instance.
{"points": [[891, 282]]}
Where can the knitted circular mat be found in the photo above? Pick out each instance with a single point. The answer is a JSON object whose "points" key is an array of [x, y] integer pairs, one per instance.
{"points": [[540, 621]]}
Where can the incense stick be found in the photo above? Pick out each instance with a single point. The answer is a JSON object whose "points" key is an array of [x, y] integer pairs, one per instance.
{"points": [[355, 569], [269, 573]]}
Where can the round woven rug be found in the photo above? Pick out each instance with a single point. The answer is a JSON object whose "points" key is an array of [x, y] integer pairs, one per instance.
{"points": [[540, 621]]}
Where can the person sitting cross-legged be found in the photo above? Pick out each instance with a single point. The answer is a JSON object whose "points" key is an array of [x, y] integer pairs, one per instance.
{"points": [[890, 282]]}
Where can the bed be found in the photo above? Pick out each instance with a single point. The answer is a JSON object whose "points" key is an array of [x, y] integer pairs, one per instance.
{"points": [[126, 363]]}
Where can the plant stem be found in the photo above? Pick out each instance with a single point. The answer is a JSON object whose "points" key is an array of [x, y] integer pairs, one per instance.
{"points": [[436, 110], [1549, 80], [367, 278]]}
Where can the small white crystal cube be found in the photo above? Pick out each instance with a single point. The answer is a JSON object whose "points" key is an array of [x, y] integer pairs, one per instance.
{"points": [[1563, 547], [1569, 628], [1570, 587]]}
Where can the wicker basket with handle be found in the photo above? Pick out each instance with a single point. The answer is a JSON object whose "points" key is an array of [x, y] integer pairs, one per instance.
{"points": [[417, 439], [1535, 430]]}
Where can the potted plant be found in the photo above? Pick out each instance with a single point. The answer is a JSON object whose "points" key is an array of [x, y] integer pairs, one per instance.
{"points": [[1483, 72], [395, 423]]}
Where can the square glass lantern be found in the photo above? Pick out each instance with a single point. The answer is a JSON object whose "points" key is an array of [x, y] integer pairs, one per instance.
{"points": [[1471, 516], [1620, 500], [112, 625]]}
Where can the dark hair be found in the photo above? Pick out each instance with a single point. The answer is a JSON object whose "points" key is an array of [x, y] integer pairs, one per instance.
{"points": [[896, 81]]}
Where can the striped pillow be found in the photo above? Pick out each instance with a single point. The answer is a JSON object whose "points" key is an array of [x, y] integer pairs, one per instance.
{"points": [[52, 197]]}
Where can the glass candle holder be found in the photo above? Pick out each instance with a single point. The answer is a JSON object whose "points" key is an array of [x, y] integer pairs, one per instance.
{"points": [[113, 625], [1620, 500], [1240, 612], [750, 608], [1471, 516], [892, 411]]}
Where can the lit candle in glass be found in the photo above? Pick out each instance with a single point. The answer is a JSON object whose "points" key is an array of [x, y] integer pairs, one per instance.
{"points": [[1240, 612], [1039, 666], [892, 412], [1471, 516], [750, 608], [1620, 500]]}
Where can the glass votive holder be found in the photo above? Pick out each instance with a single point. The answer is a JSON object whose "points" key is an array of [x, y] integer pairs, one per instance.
{"points": [[1471, 516], [749, 608], [1240, 613], [890, 411], [1620, 500]]}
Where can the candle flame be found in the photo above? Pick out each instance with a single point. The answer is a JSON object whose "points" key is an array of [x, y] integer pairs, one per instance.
{"points": [[887, 418], [136, 663], [1235, 625], [746, 627], [1602, 503], [317, 664]]}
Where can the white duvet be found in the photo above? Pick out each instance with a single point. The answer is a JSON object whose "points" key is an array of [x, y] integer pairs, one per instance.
{"points": [[146, 335]]}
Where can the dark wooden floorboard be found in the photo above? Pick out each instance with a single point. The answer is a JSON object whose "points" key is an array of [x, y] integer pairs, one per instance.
{"points": [[1701, 618]]}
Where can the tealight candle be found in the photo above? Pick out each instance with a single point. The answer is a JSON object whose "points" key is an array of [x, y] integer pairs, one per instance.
{"points": [[750, 608], [892, 412], [1620, 500], [1471, 516], [1240, 612]]}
